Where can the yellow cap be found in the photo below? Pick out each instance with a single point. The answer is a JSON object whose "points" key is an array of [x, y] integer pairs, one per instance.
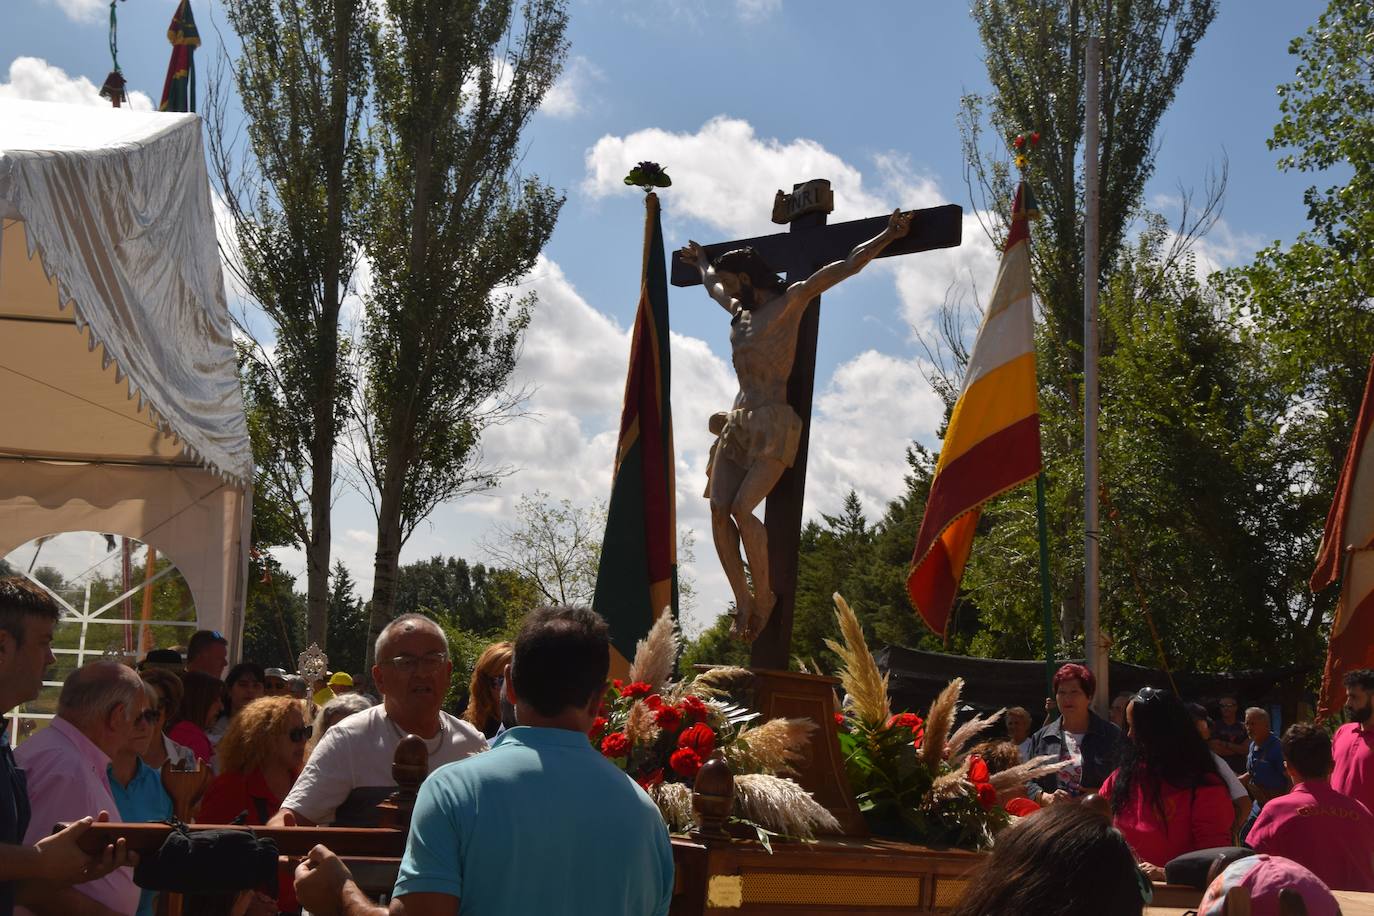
{"points": [[341, 679]]}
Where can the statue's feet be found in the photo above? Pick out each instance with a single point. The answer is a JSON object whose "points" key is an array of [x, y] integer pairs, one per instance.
{"points": [[763, 609], [739, 626]]}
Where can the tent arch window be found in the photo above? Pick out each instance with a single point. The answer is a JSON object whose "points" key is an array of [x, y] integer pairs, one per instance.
{"points": [[119, 598]]}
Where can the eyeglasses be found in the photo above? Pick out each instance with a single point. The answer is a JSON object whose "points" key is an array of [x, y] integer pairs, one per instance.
{"points": [[497, 682], [301, 734], [425, 664], [1148, 693], [149, 715], [1228, 705]]}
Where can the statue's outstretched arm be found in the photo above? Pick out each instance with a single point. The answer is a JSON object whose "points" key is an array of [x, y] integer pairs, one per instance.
{"points": [[693, 253], [830, 274]]}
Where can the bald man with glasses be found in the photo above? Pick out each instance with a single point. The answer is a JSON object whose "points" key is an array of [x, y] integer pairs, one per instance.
{"points": [[350, 769]]}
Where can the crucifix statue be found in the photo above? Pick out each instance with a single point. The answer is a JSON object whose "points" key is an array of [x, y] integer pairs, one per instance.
{"points": [[761, 445]]}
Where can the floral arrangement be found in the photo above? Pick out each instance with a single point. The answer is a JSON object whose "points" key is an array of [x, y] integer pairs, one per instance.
{"points": [[913, 779], [661, 732]]}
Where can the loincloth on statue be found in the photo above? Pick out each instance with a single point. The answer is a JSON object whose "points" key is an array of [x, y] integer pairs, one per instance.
{"points": [[746, 435]]}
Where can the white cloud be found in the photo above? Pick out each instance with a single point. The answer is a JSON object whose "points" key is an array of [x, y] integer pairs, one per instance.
{"points": [[725, 175], [83, 10], [36, 80], [569, 96], [722, 173], [757, 10], [865, 418]]}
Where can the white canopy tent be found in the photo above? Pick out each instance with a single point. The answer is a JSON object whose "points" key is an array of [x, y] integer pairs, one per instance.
{"points": [[120, 408]]}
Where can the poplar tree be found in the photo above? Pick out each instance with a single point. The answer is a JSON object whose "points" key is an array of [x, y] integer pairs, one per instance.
{"points": [[292, 183], [451, 225]]}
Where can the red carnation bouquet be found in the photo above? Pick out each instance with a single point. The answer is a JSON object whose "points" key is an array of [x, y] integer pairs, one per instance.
{"points": [[661, 732]]}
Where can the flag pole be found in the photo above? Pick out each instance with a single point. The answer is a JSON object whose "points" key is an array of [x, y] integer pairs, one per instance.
{"points": [[1046, 612], [1094, 646]]}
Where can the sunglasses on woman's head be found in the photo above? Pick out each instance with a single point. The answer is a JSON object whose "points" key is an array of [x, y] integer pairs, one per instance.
{"points": [[301, 734], [149, 715]]}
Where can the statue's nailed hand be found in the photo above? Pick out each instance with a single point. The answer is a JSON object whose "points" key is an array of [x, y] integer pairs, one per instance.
{"points": [[900, 222], [692, 253]]}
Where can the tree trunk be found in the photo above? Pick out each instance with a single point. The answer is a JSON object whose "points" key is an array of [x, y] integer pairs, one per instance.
{"points": [[387, 560]]}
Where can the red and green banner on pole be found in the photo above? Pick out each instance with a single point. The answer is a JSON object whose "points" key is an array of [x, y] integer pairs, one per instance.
{"points": [[992, 442], [179, 90], [637, 578]]}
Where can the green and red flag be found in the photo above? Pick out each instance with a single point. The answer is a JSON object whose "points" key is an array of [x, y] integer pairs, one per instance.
{"points": [[637, 578], [179, 90]]}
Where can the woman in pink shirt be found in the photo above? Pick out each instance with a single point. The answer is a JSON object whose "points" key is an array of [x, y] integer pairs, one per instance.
{"points": [[201, 701], [1167, 797]]}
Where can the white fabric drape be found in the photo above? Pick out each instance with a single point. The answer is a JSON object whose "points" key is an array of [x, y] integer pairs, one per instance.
{"points": [[120, 408]]}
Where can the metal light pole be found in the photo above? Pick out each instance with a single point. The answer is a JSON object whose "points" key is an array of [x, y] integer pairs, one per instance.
{"points": [[1093, 645]]}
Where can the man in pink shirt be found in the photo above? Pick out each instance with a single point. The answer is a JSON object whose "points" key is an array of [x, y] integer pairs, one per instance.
{"points": [[1331, 834], [67, 763], [1353, 745]]}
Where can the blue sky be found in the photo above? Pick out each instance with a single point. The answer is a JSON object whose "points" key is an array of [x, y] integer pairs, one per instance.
{"points": [[737, 98]]}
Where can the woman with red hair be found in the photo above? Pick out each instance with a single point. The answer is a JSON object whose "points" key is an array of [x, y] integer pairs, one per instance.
{"points": [[1079, 735]]}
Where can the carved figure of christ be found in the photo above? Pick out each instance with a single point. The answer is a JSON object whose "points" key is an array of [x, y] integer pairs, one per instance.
{"points": [[773, 337], [758, 437]]}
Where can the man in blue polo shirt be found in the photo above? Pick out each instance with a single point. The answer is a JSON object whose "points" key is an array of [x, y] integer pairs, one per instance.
{"points": [[541, 823]]}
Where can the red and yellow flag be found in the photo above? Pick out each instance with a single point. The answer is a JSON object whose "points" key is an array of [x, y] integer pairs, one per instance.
{"points": [[1347, 553], [993, 440]]}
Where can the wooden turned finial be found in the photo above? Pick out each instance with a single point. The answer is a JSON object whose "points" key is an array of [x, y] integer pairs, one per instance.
{"points": [[409, 767], [713, 798]]}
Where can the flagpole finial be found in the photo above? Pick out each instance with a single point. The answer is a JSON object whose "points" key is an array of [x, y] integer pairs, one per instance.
{"points": [[647, 176]]}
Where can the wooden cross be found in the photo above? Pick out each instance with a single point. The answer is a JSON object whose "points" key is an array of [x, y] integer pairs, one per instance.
{"points": [[798, 253]]}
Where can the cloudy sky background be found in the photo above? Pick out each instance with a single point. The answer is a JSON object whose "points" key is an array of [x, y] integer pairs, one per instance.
{"points": [[737, 98]]}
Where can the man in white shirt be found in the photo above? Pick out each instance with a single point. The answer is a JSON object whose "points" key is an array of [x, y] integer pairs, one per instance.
{"points": [[412, 673]]}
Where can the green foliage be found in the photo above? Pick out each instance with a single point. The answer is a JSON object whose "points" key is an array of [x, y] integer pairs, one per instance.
{"points": [[1034, 51], [294, 193], [274, 620], [451, 224], [347, 648], [714, 646], [554, 545]]}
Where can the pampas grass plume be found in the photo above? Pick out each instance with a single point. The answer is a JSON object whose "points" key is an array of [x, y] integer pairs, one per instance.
{"points": [[656, 653], [639, 724], [964, 734], [674, 802], [938, 723], [720, 681], [864, 685], [782, 806], [776, 745]]}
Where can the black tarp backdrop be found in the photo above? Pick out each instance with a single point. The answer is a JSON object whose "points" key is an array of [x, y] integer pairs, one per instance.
{"points": [[915, 678]]}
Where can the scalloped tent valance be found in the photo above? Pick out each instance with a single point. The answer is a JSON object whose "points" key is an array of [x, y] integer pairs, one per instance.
{"points": [[120, 407]]}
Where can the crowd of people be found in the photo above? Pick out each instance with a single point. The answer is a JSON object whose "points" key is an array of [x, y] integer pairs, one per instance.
{"points": [[1154, 781]]}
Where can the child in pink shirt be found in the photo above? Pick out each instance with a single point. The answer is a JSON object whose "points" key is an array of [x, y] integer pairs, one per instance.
{"points": [[1328, 832]]}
